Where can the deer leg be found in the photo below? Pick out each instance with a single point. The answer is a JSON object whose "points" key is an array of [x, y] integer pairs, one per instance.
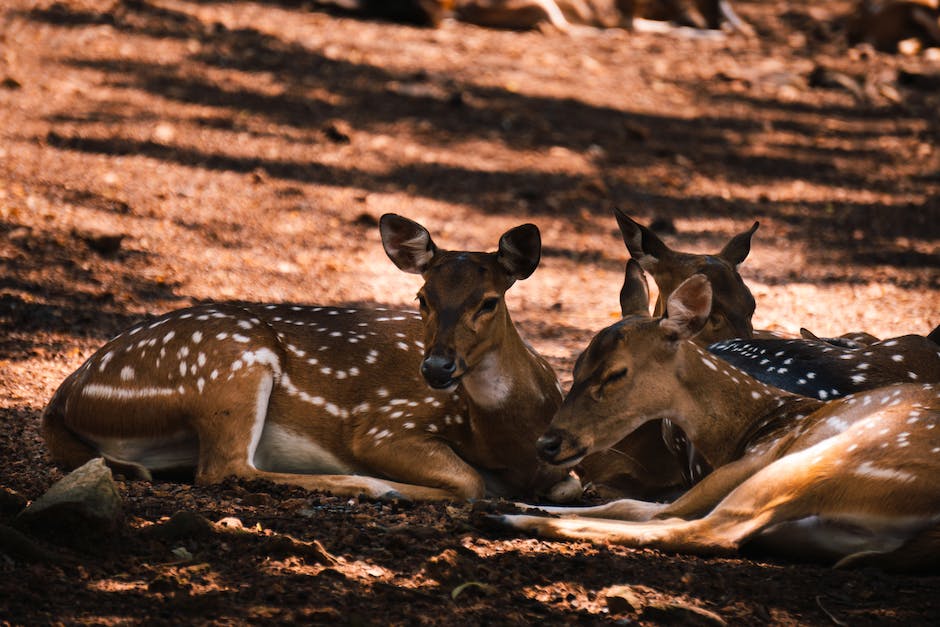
{"points": [[229, 436], [696, 502], [622, 509], [430, 466], [789, 506], [719, 533], [706, 494]]}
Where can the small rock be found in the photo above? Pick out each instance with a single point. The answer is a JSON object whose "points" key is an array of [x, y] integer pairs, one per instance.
{"points": [[86, 502], [183, 525], [282, 545], [338, 132], [622, 599], [103, 243]]}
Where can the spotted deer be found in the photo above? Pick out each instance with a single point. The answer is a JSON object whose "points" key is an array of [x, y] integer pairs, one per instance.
{"points": [[886, 23], [330, 398], [733, 304], [825, 368], [567, 15], [831, 368], [851, 481], [656, 460]]}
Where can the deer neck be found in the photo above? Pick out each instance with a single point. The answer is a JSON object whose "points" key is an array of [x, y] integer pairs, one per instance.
{"points": [[722, 407], [511, 392]]}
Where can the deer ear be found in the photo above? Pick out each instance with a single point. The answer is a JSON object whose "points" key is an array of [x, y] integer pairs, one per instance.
{"points": [[736, 251], [806, 334], [407, 243], [688, 307], [643, 244], [934, 335], [635, 293], [520, 250]]}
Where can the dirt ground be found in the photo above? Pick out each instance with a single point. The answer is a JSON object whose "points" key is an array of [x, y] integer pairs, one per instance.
{"points": [[158, 153]]}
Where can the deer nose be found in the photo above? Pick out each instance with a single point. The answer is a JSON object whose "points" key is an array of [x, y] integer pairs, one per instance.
{"points": [[438, 370], [549, 446], [561, 448]]}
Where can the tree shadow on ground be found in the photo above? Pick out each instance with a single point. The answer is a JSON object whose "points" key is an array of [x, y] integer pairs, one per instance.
{"points": [[440, 110], [450, 110]]}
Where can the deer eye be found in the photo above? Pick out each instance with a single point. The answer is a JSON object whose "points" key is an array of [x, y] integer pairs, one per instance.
{"points": [[489, 305], [615, 376], [422, 303]]}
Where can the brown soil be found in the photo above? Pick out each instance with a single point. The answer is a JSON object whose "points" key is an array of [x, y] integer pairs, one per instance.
{"points": [[163, 152]]}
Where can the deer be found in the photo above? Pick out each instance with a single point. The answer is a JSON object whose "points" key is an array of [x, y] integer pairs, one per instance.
{"points": [[656, 461], [733, 304], [440, 404], [834, 367], [569, 15], [886, 23], [797, 365], [848, 482], [428, 13], [824, 368]]}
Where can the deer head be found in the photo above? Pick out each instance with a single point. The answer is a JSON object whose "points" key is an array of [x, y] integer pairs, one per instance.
{"points": [[628, 374], [462, 300], [732, 302]]}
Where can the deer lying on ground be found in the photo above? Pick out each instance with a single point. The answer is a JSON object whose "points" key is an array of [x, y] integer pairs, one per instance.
{"points": [[852, 481], [886, 23], [419, 12], [826, 369], [330, 398], [656, 460], [823, 368], [563, 15], [733, 304]]}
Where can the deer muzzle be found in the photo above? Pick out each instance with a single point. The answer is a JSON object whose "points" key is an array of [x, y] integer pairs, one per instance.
{"points": [[440, 371], [561, 448]]}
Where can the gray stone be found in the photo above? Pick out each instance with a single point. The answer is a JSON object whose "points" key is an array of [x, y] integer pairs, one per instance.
{"points": [[84, 502]]}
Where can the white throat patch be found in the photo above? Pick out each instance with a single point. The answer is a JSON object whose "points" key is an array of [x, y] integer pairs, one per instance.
{"points": [[487, 385]]}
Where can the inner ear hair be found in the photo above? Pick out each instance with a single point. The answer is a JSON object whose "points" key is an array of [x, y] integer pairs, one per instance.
{"points": [[688, 307], [407, 243]]}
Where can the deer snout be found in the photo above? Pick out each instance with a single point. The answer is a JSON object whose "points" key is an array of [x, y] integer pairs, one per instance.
{"points": [[439, 371], [560, 447]]}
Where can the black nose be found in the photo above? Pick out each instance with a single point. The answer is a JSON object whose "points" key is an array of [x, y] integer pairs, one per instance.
{"points": [[438, 370], [549, 446]]}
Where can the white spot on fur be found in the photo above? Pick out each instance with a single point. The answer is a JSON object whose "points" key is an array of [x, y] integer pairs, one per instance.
{"points": [[867, 469], [104, 361], [97, 390]]}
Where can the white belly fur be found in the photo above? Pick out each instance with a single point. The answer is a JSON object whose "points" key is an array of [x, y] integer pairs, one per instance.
{"points": [[175, 451], [284, 450]]}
